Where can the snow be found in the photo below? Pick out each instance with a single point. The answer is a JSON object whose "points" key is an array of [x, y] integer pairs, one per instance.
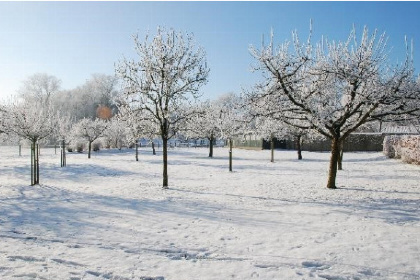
{"points": [[108, 217]]}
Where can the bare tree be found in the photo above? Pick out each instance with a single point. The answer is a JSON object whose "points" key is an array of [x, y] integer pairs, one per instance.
{"points": [[333, 87], [169, 72]]}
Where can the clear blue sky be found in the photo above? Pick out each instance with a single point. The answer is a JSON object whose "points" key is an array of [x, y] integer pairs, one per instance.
{"points": [[72, 40]]}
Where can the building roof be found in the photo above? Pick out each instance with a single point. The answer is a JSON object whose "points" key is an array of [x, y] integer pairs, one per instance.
{"points": [[401, 130]]}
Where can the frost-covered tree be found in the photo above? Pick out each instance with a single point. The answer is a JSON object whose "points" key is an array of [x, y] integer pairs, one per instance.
{"points": [[115, 134], [103, 88], [83, 101], [38, 87], [300, 136], [270, 112], [3, 112], [63, 134], [269, 128], [335, 87], [137, 124], [89, 130], [410, 120], [232, 121], [206, 123], [33, 121], [32, 117], [167, 74], [6, 136]]}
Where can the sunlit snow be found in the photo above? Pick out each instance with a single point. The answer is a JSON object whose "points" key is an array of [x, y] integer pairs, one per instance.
{"points": [[108, 217]]}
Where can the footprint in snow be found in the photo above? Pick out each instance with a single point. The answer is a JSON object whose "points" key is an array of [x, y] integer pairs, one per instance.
{"points": [[315, 265], [26, 258], [71, 263]]}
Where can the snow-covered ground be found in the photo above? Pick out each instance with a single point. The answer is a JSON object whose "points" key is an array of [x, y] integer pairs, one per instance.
{"points": [[108, 218]]}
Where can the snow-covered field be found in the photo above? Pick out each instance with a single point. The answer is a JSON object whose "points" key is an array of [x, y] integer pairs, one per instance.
{"points": [[108, 218]]}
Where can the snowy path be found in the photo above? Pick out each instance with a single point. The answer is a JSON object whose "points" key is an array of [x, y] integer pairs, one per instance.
{"points": [[108, 218]]}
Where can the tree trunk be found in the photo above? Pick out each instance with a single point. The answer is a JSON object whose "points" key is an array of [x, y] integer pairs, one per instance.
{"points": [[332, 174], [165, 162], [340, 156], [272, 147], [137, 151], [37, 152], [230, 154], [89, 148], [153, 148], [211, 145], [63, 153], [34, 163], [299, 146]]}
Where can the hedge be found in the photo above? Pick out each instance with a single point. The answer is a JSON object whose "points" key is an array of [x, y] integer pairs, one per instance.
{"points": [[406, 148]]}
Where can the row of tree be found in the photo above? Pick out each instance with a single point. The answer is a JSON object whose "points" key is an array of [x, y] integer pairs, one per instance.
{"points": [[41, 112], [327, 90]]}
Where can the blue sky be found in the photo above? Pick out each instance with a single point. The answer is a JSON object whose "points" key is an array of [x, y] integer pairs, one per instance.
{"points": [[72, 40]]}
